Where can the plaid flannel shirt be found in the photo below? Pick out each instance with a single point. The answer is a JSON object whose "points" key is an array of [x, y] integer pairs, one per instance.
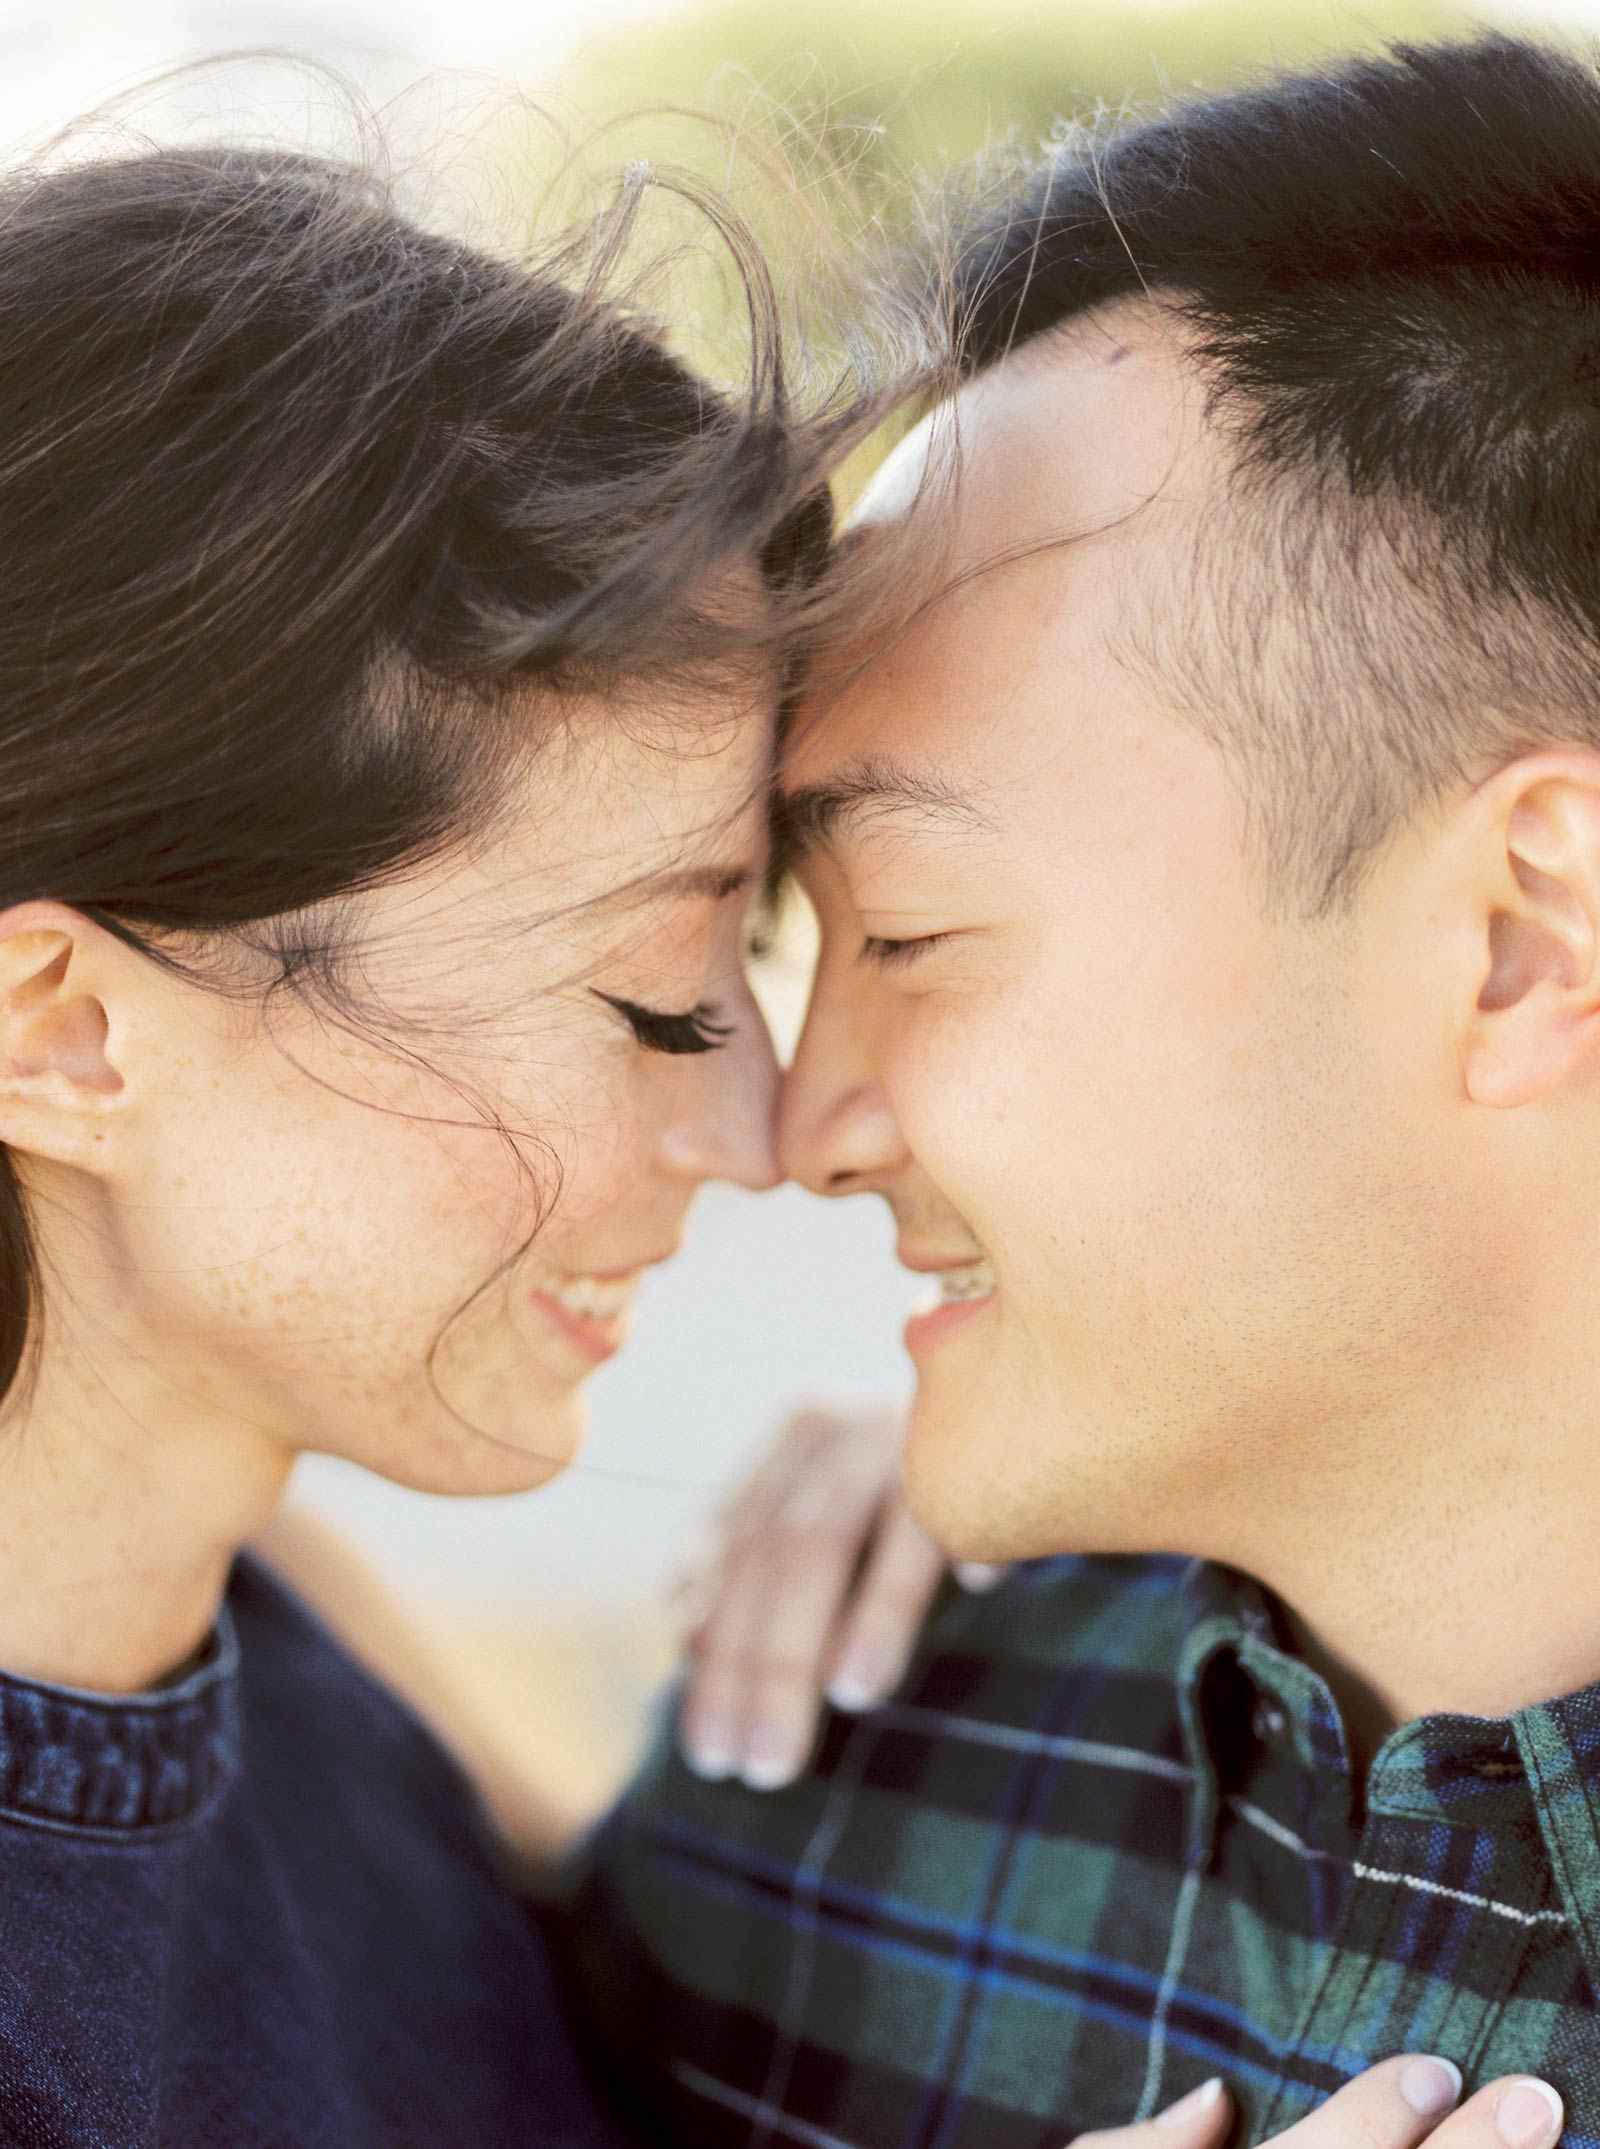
{"points": [[1105, 1842]]}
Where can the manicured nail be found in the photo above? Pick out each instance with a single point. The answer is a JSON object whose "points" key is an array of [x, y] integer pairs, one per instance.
{"points": [[1430, 2086], [709, 1749], [858, 1682], [977, 1577], [770, 1759], [1529, 2114], [1190, 2107]]}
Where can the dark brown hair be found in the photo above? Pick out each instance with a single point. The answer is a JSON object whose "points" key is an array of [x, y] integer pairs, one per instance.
{"points": [[1391, 270], [298, 501]]}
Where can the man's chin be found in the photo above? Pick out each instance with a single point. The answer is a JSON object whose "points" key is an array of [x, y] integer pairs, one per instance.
{"points": [[962, 1481], [987, 1488]]}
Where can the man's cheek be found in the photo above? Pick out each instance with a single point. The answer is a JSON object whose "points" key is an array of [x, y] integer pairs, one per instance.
{"points": [[956, 1090]]}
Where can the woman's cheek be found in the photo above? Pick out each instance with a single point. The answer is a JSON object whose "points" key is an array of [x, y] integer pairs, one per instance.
{"points": [[600, 1161]]}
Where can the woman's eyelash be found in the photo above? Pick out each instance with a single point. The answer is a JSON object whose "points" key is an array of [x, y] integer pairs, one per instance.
{"points": [[895, 954], [657, 1031]]}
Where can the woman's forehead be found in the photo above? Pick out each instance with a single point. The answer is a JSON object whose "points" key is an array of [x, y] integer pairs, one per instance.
{"points": [[618, 799]]}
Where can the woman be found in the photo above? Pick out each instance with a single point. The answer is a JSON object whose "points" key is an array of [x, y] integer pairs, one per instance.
{"points": [[388, 667]]}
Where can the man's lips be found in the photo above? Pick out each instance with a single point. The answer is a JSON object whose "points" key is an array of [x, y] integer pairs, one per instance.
{"points": [[967, 1286], [923, 1261]]}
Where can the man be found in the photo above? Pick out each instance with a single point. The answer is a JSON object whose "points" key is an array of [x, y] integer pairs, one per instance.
{"points": [[1209, 874]]}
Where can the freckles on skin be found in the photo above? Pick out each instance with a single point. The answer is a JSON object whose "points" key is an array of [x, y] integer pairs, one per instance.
{"points": [[330, 1215]]}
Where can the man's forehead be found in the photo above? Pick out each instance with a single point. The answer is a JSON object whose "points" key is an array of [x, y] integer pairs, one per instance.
{"points": [[1077, 425], [1030, 487], [900, 478]]}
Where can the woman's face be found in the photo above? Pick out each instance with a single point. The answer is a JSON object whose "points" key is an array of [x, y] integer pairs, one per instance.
{"points": [[303, 1207]]}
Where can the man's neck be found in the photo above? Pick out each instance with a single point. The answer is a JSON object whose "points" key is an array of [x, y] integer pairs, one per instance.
{"points": [[120, 1515], [1463, 1579]]}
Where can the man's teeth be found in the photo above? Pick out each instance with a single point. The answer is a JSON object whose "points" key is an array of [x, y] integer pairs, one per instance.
{"points": [[591, 1299], [951, 1286], [976, 1280]]}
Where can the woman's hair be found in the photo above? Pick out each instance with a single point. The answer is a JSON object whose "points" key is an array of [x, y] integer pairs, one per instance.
{"points": [[299, 500]]}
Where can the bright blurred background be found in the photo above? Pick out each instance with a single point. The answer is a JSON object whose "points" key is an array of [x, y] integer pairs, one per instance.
{"points": [[550, 1608]]}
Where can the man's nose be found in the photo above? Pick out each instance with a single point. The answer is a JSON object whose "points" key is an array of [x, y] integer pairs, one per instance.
{"points": [[836, 1131], [727, 1129]]}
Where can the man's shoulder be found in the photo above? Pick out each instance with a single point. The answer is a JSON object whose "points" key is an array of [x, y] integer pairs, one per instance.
{"points": [[1088, 1641], [1046, 1706], [1078, 1651], [1120, 1613]]}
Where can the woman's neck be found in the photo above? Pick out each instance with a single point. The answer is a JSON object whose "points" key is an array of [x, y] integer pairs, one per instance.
{"points": [[121, 1511]]}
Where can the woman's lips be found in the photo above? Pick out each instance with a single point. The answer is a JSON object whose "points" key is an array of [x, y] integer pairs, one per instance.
{"points": [[593, 1313], [963, 1293]]}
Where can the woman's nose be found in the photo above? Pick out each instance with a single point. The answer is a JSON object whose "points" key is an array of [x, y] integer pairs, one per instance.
{"points": [[728, 1129]]}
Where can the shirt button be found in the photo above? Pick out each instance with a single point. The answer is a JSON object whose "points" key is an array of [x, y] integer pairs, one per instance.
{"points": [[1267, 1720], [1496, 1768]]}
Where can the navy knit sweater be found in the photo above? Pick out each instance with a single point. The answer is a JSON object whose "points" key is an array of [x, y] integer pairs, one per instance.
{"points": [[260, 1909]]}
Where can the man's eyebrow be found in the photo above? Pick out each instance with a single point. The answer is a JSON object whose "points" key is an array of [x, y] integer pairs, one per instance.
{"points": [[816, 815]]}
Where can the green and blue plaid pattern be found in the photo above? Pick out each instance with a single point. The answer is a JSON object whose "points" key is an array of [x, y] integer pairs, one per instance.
{"points": [[1105, 1842]]}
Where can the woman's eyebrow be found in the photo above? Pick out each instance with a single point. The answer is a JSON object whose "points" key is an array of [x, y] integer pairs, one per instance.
{"points": [[714, 883]]}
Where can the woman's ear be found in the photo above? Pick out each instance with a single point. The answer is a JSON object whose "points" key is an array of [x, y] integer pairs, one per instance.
{"points": [[1537, 1018], [56, 1070]]}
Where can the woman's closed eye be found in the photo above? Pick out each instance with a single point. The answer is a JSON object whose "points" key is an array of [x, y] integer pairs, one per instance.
{"points": [[661, 1031], [897, 954]]}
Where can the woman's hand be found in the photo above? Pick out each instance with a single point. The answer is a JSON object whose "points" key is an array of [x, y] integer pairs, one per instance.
{"points": [[818, 1586], [1395, 2105]]}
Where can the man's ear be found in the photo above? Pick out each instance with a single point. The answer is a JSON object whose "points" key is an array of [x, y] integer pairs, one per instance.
{"points": [[1537, 1018], [57, 1075]]}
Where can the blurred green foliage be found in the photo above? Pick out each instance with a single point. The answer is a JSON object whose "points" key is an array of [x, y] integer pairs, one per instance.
{"points": [[867, 101], [927, 85], [820, 127]]}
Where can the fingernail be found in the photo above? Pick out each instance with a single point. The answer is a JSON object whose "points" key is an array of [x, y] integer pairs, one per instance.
{"points": [[770, 1760], [709, 1750], [1191, 2106], [1528, 2114], [1430, 2086], [857, 1682], [976, 1576]]}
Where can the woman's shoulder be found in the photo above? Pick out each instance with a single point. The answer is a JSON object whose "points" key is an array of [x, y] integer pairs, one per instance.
{"points": [[314, 1945], [325, 1730]]}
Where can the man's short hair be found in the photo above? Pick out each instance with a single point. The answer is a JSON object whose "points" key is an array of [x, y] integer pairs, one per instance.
{"points": [[1391, 273]]}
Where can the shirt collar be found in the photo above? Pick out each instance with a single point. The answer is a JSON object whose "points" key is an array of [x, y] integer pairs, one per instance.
{"points": [[121, 1764], [1239, 1680], [1534, 1774]]}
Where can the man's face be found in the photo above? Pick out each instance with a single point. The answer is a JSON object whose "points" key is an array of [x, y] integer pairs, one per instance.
{"points": [[1195, 1151]]}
